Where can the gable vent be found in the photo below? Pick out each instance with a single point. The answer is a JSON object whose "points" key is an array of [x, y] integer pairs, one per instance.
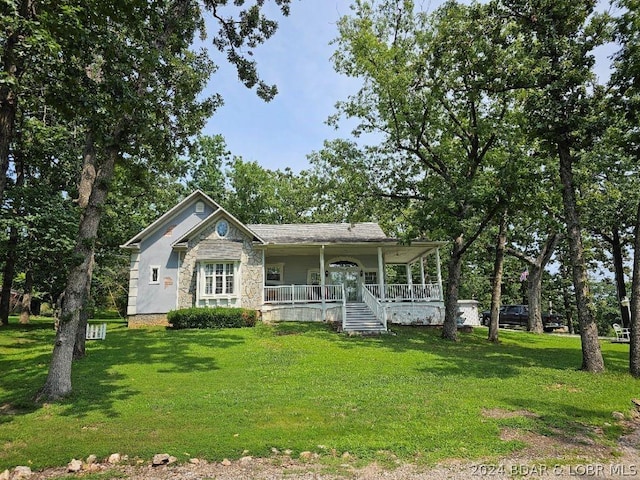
{"points": [[199, 207]]}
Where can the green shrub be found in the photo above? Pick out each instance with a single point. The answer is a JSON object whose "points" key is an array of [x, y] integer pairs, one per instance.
{"points": [[46, 310], [218, 317]]}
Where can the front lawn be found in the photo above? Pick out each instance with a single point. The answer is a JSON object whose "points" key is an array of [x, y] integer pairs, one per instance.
{"points": [[227, 393]]}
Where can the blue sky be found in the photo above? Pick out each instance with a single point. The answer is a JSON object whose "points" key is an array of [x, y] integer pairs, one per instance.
{"points": [[297, 59]]}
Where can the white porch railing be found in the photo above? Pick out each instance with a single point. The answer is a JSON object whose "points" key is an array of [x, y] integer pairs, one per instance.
{"points": [[292, 294], [406, 293], [376, 306]]}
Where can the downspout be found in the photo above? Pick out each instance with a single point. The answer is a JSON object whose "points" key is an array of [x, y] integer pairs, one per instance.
{"points": [[264, 276], [381, 293], [409, 280], [322, 285], [178, 280], [438, 266]]}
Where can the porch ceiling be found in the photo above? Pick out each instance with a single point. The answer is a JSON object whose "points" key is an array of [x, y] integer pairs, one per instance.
{"points": [[392, 252]]}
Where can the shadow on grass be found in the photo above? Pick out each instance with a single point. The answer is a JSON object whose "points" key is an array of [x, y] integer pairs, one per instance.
{"points": [[97, 382], [474, 356]]}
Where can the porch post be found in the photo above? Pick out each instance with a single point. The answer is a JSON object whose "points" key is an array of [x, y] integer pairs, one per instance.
{"points": [[409, 280], [381, 275], [264, 276], [322, 284], [422, 279], [439, 273]]}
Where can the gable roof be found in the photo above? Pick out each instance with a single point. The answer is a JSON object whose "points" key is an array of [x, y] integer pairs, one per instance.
{"points": [[160, 221], [214, 217], [296, 233]]}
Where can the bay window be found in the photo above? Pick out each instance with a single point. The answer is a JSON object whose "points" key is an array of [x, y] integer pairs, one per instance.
{"points": [[218, 279]]}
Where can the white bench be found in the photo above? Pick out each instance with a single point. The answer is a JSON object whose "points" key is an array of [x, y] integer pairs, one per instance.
{"points": [[623, 335], [96, 331]]}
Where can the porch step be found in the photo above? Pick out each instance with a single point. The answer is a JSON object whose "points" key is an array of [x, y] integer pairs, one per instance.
{"points": [[361, 319]]}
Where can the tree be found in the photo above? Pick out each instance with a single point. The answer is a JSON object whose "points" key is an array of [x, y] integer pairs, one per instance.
{"points": [[341, 187], [627, 98], [560, 39], [439, 90], [142, 57], [536, 265], [206, 165], [496, 292]]}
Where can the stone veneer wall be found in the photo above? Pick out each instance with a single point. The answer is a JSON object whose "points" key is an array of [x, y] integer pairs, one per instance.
{"points": [[251, 271], [148, 320]]}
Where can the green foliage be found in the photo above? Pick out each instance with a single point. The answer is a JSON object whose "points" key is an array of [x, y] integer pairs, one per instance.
{"points": [[212, 394], [218, 317]]}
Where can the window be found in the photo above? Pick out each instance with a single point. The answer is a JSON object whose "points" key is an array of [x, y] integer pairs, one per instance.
{"points": [[154, 274], [313, 277], [218, 279], [371, 278], [275, 273], [222, 228]]}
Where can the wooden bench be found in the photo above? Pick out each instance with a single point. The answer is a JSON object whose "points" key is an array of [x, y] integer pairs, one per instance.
{"points": [[96, 331]]}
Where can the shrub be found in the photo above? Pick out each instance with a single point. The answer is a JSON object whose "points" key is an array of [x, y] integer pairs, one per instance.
{"points": [[46, 310], [218, 317]]}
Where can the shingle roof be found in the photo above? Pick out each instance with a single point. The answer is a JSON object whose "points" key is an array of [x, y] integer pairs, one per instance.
{"points": [[319, 232], [219, 249]]}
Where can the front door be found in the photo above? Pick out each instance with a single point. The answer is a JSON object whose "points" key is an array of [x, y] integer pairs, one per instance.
{"points": [[349, 276]]}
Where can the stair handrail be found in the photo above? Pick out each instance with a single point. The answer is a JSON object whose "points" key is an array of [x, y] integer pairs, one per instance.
{"points": [[376, 306], [344, 309]]}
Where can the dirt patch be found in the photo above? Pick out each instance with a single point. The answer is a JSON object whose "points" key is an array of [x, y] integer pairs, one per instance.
{"points": [[498, 413]]}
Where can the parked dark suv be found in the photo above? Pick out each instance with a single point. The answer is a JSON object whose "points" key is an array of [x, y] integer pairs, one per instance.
{"points": [[518, 316]]}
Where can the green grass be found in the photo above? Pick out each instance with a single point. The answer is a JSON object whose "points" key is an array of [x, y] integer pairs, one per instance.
{"points": [[218, 393]]}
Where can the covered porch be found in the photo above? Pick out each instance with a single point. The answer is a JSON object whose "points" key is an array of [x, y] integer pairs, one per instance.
{"points": [[363, 286]]}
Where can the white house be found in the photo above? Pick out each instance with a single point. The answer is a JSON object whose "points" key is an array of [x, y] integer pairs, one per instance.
{"points": [[198, 254]]}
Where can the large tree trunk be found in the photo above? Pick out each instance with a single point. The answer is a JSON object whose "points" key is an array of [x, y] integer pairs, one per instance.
{"points": [[58, 383], [450, 327], [566, 295], [7, 275], [536, 268], [634, 347], [12, 70], [618, 268], [79, 349], [496, 293], [534, 297], [25, 309], [591, 355], [12, 247], [85, 187]]}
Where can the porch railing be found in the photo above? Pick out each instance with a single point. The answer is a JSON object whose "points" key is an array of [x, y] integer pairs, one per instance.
{"points": [[376, 306], [292, 294], [406, 293]]}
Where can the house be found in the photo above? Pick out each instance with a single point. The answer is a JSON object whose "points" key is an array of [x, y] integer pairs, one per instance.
{"points": [[198, 254]]}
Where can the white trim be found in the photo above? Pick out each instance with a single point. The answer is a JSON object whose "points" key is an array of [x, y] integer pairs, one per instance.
{"points": [[381, 273], [178, 280], [364, 276], [201, 293], [310, 273], [280, 267], [439, 268], [157, 270], [222, 221], [177, 208]]}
